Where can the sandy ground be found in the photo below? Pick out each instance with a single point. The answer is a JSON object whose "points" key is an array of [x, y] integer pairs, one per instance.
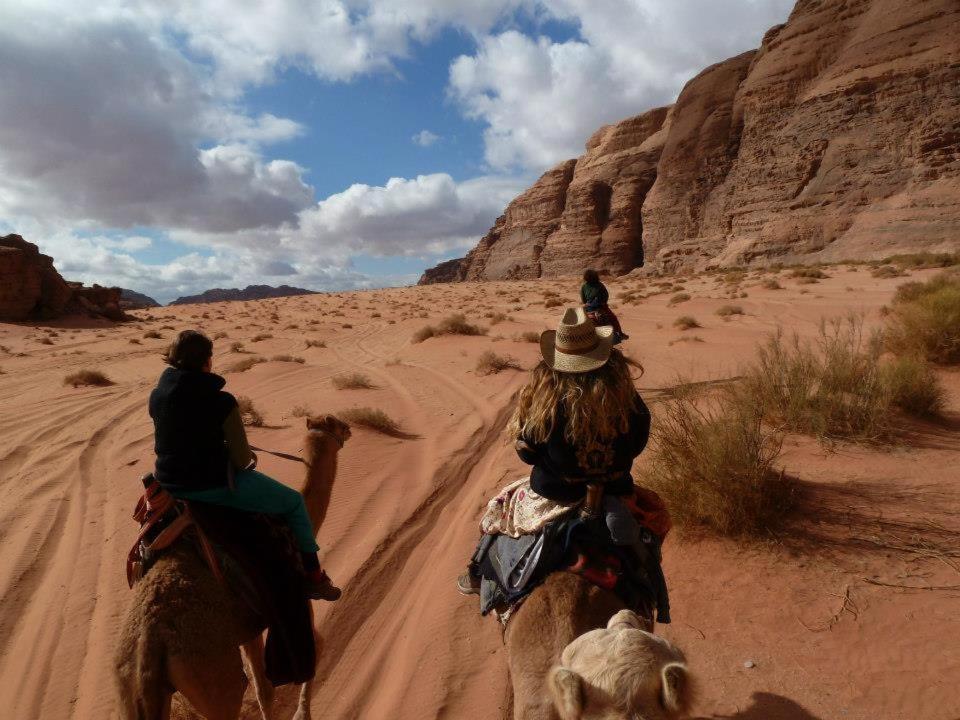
{"points": [[824, 642]]}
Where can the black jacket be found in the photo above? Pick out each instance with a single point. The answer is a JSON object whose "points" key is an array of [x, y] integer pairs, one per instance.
{"points": [[188, 410], [557, 461]]}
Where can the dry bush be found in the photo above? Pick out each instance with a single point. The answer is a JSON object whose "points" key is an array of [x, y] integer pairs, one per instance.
{"points": [[913, 386], [529, 336], [837, 386], [806, 275], [771, 284], [712, 462], [924, 319], [455, 324], [237, 347], [134, 341], [352, 381], [489, 363], [152, 334], [923, 260], [248, 412], [261, 336], [679, 298], [686, 322], [686, 338], [551, 302], [372, 418], [288, 358], [87, 377], [346, 326], [220, 335], [496, 317], [726, 311], [316, 344], [45, 341], [887, 271], [245, 364], [299, 411]]}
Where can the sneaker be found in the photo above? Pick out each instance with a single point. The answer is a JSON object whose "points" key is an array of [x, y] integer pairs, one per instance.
{"points": [[319, 587], [467, 584]]}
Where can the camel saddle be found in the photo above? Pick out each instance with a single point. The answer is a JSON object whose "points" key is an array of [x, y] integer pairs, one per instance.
{"points": [[253, 555]]}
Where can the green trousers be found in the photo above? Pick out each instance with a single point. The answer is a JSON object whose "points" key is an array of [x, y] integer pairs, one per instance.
{"points": [[256, 492]]}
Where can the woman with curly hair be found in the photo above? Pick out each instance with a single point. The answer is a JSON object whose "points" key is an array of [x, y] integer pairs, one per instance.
{"points": [[580, 420]]}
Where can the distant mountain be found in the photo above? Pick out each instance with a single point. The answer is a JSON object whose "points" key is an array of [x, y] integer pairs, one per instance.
{"points": [[251, 292], [132, 300]]}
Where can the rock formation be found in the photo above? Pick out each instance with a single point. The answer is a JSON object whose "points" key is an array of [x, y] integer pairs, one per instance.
{"points": [[838, 138], [132, 300], [31, 287], [251, 292]]}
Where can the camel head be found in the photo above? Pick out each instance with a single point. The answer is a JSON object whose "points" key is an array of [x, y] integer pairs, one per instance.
{"points": [[328, 425], [621, 672]]}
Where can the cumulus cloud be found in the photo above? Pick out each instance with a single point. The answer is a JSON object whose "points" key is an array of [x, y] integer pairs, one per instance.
{"points": [[541, 99], [425, 138]]}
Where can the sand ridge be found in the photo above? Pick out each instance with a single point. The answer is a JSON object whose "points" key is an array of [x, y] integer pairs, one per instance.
{"points": [[402, 643]]}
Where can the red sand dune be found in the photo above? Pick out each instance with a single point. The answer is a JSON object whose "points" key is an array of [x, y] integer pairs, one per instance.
{"points": [[824, 642]]}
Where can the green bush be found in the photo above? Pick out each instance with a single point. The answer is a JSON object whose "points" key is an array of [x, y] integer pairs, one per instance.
{"points": [[924, 319]]}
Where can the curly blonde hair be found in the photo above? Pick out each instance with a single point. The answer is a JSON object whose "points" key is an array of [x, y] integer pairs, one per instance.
{"points": [[596, 404]]}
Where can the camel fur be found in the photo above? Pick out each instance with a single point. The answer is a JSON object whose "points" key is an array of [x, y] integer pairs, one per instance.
{"points": [[183, 631], [565, 608]]}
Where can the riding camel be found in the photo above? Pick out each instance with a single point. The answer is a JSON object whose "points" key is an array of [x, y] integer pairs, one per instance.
{"points": [[183, 631], [563, 666]]}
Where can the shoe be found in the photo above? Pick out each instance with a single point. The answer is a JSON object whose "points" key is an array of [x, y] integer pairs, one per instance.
{"points": [[467, 584], [320, 587], [624, 336]]}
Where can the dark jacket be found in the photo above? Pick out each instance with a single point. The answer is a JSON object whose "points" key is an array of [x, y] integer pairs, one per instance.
{"points": [[593, 296], [557, 461], [188, 410]]}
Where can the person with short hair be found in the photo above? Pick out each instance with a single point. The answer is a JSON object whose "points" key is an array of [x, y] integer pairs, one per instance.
{"points": [[595, 299], [203, 454]]}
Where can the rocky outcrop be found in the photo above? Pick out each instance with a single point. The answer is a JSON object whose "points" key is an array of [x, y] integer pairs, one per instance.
{"points": [[448, 271], [132, 300], [251, 292], [838, 138]]}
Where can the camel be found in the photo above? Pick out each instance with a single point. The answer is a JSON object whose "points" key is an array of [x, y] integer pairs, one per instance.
{"points": [[183, 632], [597, 677]]}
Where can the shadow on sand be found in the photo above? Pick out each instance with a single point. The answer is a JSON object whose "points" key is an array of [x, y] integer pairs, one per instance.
{"points": [[767, 706]]}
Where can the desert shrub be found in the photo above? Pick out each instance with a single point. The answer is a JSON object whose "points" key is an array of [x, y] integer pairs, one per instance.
{"points": [[887, 271], [551, 302], [489, 363], [134, 341], [679, 298], [808, 273], [726, 311], [288, 358], [299, 411], [922, 260], [237, 347], [530, 336], [152, 334], [496, 317], [248, 412], [455, 324], [427, 331], [373, 419], [735, 277], [924, 319], [686, 322], [87, 377], [352, 381], [913, 386], [245, 364], [712, 462], [316, 344], [220, 335], [346, 326], [45, 341], [260, 337], [771, 284], [686, 338]]}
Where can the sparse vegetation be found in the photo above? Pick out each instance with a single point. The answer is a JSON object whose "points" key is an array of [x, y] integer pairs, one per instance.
{"points": [[451, 325], [913, 386], [248, 412], [887, 271], [686, 322], [727, 311], [237, 347], [152, 335], [771, 284], [352, 381], [679, 298], [373, 419], [288, 358], [489, 363], [316, 344], [299, 411], [245, 364], [924, 319], [135, 341], [45, 341], [923, 260], [87, 377], [529, 336], [260, 337], [713, 463], [551, 302]]}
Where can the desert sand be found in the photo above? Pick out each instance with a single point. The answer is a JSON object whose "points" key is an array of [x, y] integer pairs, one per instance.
{"points": [[791, 629]]}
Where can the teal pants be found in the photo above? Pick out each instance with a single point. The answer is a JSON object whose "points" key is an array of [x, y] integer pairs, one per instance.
{"points": [[256, 492]]}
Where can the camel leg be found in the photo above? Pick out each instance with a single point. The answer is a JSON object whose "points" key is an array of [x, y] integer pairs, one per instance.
{"points": [[303, 704], [262, 686], [213, 686]]}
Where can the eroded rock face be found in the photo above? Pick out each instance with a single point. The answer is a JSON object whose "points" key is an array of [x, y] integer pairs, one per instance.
{"points": [[31, 287], [838, 138]]}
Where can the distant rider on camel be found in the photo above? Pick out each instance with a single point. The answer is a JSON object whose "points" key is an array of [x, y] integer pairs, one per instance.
{"points": [[203, 454], [594, 296]]}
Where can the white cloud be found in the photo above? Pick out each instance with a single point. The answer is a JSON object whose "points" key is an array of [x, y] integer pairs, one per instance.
{"points": [[542, 99], [425, 138]]}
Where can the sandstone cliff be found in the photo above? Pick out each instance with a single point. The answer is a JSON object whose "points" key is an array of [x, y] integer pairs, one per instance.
{"points": [[31, 287], [838, 138], [251, 292]]}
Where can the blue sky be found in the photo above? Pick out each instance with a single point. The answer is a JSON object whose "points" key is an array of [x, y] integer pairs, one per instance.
{"points": [[331, 144]]}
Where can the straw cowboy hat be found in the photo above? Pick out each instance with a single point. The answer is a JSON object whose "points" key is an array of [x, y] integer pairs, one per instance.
{"points": [[577, 345]]}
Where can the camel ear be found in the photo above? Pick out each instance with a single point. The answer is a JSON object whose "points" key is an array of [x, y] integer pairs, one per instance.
{"points": [[628, 618], [675, 690], [567, 690]]}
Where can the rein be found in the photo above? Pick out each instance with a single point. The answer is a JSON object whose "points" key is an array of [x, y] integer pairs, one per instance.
{"points": [[294, 458]]}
